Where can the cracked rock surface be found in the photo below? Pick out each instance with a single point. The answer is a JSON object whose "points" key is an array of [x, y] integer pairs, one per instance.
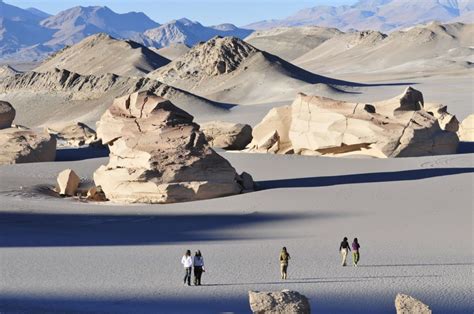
{"points": [[158, 154], [403, 126]]}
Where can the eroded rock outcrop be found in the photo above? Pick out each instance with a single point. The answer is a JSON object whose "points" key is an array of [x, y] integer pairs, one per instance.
{"points": [[75, 135], [19, 144], [158, 155], [398, 127], [466, 129], [406, 304], [227, 135], [286, 301]]}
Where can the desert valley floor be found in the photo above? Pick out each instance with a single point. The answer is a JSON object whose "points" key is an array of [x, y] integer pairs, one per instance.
{"points": [[413, 217]]}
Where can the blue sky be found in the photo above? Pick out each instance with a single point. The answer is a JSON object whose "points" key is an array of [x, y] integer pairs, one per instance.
{"points": [[207, 12]]}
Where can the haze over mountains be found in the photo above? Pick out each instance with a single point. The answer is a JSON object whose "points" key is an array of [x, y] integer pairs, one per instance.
{"points": [[382, 15], [30, 34]]}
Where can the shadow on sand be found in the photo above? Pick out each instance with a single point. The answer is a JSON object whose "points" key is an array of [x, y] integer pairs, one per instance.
{"points": [[406, 175], [466, 148], [48, 230], [81, 153]]}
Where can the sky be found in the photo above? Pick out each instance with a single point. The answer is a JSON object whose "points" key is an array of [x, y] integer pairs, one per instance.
{"points": [[208, 12]]}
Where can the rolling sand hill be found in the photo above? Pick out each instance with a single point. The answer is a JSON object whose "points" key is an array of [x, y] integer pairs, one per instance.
{"points": [[426, 48], [291, 42], [172, 51], [101, 54], [230, 70], [62, 96]]}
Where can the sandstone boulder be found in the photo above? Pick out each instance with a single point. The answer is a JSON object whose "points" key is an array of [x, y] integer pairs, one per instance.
{"points": [[96, 194], [284, 302], [158, 155], [22, 146], [466, 129], [7, 114], [74, 135], [398, 127], [406, 304], [67, 182], [227, 135]]}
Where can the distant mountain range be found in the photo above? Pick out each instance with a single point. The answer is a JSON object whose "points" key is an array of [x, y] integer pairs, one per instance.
{"points": [[30, 34], [381, 15]]}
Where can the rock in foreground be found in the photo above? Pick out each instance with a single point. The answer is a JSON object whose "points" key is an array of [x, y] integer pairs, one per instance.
{"points": [[227, 135], [286, 302], [67, 182], [398, 127], [158, 155], [406, 304], [466, 129]]}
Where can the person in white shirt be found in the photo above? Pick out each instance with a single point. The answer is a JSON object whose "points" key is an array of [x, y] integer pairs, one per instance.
{"points": [[187, 262], [198, 263]]}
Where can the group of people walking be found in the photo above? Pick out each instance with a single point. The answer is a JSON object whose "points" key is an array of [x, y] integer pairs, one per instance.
{"points": [[197, 262], [344, 248], [189, 262]]}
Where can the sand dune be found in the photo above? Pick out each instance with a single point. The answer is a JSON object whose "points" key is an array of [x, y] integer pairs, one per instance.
{"points": [[172, 51], [427, 48], [102, 54], [290, 42], [231, 70]]}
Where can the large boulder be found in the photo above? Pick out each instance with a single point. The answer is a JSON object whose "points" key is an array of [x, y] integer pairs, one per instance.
{"points": [[7, 114], [158, 155], [74, 135], [227, 135], [18, 145], [285, 302], [466, 129], [67, 182], [398, 127], [406, 304]]}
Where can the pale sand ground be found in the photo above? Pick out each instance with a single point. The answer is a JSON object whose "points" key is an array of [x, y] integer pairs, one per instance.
{"points": [[413, 217]]}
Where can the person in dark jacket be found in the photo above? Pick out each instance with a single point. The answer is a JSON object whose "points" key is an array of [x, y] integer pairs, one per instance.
{"points": [[284, 258], [355, 252], [198, 264], [344, 249]]}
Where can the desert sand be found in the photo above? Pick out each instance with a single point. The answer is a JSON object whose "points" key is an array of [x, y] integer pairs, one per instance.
{"points": [[63, 255]]}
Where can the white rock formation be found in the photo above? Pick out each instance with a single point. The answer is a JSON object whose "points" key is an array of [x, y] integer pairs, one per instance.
{"points": [[284, 302], [75, 135], [158, 155], [406, 304], [398, 127], [67, 182], [466, 129], [227, 135], [7, 114]]}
